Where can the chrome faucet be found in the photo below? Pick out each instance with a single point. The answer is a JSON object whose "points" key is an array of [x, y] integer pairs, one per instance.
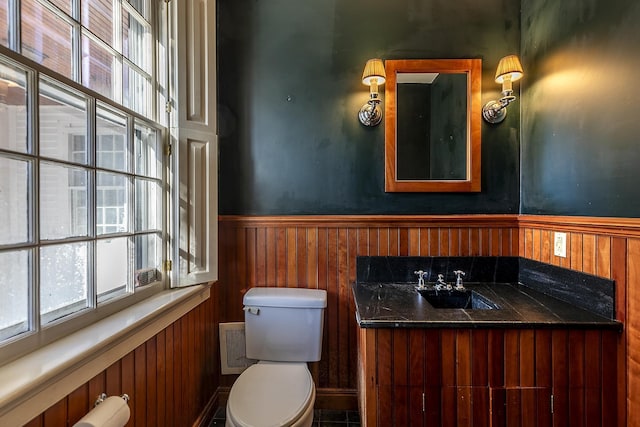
{"points": [[441, 284], [421, 275], [459, 274]]}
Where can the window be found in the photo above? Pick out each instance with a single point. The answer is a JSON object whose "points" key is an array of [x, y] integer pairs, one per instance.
{"points": [[107, 45], [82, 182]]}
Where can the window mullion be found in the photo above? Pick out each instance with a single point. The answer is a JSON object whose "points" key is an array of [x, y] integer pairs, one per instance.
{"points": [[92, 287], [14, 25], [33, 100]]}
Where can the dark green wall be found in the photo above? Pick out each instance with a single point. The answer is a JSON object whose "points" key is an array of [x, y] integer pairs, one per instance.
{"points": [[581, 107], [289, 92]]}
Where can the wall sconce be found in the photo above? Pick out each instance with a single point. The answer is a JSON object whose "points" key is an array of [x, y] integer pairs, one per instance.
{"points": [[509, 70], [373, 76]]}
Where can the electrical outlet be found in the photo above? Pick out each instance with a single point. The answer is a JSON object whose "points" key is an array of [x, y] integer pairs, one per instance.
{"points": [[560, 244]]}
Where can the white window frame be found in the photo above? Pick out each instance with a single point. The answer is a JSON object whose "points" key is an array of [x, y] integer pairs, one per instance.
{"points": [[192, 171]]}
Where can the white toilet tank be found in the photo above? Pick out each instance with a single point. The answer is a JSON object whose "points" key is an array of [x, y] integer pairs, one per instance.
{"points": [[284, 324]]}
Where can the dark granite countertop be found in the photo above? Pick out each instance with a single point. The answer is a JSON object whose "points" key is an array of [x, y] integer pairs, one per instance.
{"points": [[399, 305]]}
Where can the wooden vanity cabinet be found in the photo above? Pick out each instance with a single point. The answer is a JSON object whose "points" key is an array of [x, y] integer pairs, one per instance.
{"points": [[486, 377]]}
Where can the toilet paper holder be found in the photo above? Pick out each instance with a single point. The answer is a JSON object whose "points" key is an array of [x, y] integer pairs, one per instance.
{"points": [[101, 398]]}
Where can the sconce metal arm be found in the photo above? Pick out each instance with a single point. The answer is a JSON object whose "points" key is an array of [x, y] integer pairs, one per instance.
{"points": [[370, 114], [496, 111]]}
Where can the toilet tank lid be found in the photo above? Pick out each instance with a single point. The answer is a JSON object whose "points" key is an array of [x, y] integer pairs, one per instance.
{"points": [[286, 297]]}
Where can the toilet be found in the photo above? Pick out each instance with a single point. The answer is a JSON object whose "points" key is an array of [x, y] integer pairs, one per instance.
{"points": [[283, 331]]}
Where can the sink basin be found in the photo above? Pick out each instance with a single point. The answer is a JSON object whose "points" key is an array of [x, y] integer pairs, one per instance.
{"points": [[466, 299]]}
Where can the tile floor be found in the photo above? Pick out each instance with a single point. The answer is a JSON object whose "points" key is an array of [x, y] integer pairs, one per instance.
{"points": [[321, 418]]}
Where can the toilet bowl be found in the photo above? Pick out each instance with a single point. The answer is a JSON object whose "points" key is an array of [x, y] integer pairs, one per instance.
{"points": [[272, 394]]}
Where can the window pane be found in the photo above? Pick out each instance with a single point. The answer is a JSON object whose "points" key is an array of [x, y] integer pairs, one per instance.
{"points": [[148, 253], [148, 152], [65, 5], [14, 287], [97, 15], [15, 200], [13, 109], [100, 68], [63, 280], [112, 267], [4, 22], [141, 6], [137, 91], [111, 152], [136, 40], [63, 123], [148, 205], [46, 38], [112, 197], [63, 201]]}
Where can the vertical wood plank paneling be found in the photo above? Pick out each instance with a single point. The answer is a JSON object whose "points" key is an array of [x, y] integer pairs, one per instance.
{"points": [[161, 379], [577, 378], [536, 244], [291, 261], [610, 383], [592, 382], [543, 371], [169, 377], [57, 414], [454, 242], [480, 359], [473, 244], [512, 363], [545, 247], [527, 360], [281, 257], [312, 258], [589, 253], [633, 325], [484, 241], [576, 251], [403, 242], [465, 248], [603, 256], [151, 386], [269, 250], [463, 357], [127, 364], [343, 308], [434, 242], [400, 359], [414, 241], [78, 403], [560, 374], [333, 306], [140, 386], [96, 386]]}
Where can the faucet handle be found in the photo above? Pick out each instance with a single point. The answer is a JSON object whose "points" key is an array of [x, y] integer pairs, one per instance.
{"points": [[421, 275], [459, 274]]}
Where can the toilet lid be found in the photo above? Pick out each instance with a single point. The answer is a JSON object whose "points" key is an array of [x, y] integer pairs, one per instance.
{"points": [[271, 394]]}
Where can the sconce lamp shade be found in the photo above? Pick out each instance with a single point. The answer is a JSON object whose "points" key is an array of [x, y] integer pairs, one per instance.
{"points": [[374, 69], [509, 70], [509, 66]]}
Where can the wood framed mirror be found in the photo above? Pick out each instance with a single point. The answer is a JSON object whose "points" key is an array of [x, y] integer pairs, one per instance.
{"points": [[433, 125]]}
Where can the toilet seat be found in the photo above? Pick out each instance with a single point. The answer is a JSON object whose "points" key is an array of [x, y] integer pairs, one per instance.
{"points": [[272, 394]]}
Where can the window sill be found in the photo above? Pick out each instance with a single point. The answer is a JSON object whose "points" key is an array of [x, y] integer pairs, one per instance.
{"points": [[34, 382]]}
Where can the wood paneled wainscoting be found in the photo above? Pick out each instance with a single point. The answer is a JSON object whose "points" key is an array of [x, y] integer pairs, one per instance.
{"points": [[320, 252], [176, 373], [607, 247], [170, 378]]}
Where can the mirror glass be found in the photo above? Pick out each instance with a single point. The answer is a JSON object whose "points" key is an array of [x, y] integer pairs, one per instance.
{"points": [[432, 135]]}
